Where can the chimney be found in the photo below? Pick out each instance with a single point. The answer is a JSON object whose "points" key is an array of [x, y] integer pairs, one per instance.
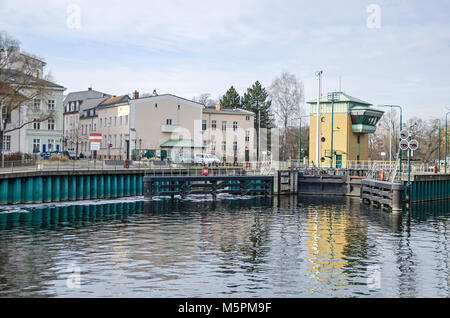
{"points": [[36, 73], [103, 95], [155, 93], [90, 88], [135, 94], [218, 107]]}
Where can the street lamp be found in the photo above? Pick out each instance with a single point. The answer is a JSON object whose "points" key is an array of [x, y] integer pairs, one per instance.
{"points": [[439, 146], [445, 158], [401, 111], [319, 75], [300, 141], [332, 97]]}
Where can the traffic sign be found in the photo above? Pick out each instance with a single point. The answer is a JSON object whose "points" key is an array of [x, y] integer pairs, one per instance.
{"points": [[413, 145], [404, 134], [95, 146], [95, 137], [404, 144]]}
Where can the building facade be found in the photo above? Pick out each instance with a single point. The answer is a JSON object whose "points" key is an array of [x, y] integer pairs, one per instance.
{"points": [[165, 126], [73, 103], [41, 99], [113, 118], [229, 133], [345, 124]]}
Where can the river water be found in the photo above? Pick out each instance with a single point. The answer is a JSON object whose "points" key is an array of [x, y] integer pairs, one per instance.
{"points": [[232, 247]]}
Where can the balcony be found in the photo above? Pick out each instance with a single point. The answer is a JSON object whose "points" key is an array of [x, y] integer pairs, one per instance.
{"points": [[169, 128]]}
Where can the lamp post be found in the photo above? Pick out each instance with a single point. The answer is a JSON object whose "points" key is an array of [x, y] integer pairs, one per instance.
{"points": [[439, 146], [445, 155], [319, 75], [401, 115], [332, 97], [300, 141]]}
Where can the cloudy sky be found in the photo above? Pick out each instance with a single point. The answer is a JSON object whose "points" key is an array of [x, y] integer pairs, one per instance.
{"points": [[193, 47]]}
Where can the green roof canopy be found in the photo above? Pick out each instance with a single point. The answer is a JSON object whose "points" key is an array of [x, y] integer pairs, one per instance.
{"points": [[341, 98], [181, 143]]}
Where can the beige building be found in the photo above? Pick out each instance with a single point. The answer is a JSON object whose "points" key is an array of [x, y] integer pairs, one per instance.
{"points": [[73, 103], [113, 122], [165, 126], [88, 123], [229, 133]]}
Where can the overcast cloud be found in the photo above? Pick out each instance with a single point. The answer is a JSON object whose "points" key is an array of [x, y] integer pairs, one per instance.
{"points": [[193, 47]]}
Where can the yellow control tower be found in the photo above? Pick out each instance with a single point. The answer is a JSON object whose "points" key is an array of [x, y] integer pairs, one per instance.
{"points": [[352, 120]]}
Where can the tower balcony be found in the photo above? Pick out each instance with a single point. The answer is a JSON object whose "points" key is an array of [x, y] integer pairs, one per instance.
{"points": [[364, 119]]}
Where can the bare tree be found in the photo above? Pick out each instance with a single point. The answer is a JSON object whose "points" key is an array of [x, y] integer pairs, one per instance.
{"points": [[20, 86], [205, 99], [287, 95], [388, 127]]}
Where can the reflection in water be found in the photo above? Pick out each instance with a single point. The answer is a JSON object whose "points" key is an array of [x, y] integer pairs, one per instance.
{"points": [[263, 247]]}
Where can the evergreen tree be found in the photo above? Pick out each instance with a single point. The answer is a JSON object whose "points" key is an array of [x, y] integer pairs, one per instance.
{"points": [[255, 100], [231, 99]]}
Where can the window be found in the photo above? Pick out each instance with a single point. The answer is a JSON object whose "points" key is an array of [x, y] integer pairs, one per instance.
{"points": [[247, 135], [323, 119], [168, 121], [120, 120], [126, 119], [156, 105], [95, 127], [115, 120], [36, 125], [110, 121], [224, 125], [51, 104], [120, 141], [6, 143], [51, 124], [36, 104], [235, 125], [36, 145], [5, 115], [100, 122], [115, 141], [224, 146], [106, 119], [323, 139], [51, 143], [213, 147], [203, 124], [214, 125], [179, 107], [247, 117], [235, 146]]}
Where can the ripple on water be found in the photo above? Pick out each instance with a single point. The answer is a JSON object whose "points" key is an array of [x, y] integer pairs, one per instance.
{"points": [[251, 246]]}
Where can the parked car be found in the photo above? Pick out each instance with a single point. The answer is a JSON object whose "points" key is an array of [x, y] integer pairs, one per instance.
{"points": [[206, 159], [71, 154]]}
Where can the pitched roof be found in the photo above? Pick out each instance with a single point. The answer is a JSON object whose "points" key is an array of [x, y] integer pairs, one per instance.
{"points": [[342, 98], [115, 100], [83, 95], [168, 95], [227, 111], [91, 103], [10, 76]]}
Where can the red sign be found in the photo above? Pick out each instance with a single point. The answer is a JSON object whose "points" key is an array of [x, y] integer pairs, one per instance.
{"points": [[95, 137], [205, 171], [110, 145]]}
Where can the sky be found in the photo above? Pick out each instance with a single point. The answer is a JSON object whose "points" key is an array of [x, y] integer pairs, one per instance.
{"points": [[384, 52]]}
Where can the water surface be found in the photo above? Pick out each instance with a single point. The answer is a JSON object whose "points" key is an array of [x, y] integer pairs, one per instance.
{"points": [[250, 247]]}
